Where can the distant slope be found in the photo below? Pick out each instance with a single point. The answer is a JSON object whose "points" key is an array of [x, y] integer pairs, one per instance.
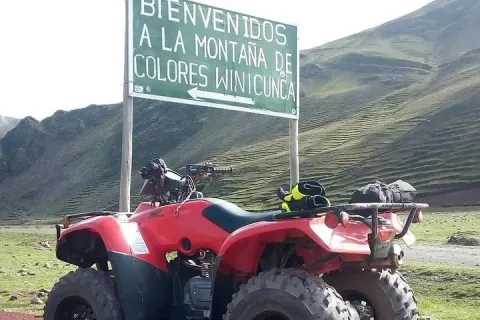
{"points": [[398, 101], [6, 124]]}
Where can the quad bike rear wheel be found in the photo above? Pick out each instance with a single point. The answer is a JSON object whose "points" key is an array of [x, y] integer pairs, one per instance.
{"points": [[83, 294], [286, 294], [376, 295]]}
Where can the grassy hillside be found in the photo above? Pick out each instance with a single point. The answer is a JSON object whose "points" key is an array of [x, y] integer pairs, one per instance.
{"points": [[397, 101]]}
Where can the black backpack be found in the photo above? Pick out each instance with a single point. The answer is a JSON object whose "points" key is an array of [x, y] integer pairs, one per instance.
{"points": [[395, 192]]}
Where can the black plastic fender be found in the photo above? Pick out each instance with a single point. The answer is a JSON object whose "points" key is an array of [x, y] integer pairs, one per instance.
{"points": [[144, 290]]}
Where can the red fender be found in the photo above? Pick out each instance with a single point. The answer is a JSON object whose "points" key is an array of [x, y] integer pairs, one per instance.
{"points": [[243, 248], [116, 235]]}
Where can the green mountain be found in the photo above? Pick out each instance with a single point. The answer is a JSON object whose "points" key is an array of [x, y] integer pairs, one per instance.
{"points": [[397, 101], [6, 124]]}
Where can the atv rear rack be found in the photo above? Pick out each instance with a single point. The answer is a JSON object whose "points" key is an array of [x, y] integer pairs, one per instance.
{"points": [[350, 208]]}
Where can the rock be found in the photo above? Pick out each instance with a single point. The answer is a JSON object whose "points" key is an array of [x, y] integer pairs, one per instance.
{"points": [[44, 291], [37, 264], [23, 270], [42, 294], [45, 244], [464, 239], [36, 300], [2, 271], [14, 297], [31, 273], [47, 266]]}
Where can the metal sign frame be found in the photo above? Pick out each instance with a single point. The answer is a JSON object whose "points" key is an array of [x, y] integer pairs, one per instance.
{"points": [[129, 93]]}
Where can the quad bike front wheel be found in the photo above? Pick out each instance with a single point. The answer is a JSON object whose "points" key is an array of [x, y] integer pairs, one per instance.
{"points": [[83, 294], [376, 295], [286, 294]]}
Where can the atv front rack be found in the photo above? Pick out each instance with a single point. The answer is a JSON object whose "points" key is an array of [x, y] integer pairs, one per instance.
{"points": [[353, 208], [77, 217]]}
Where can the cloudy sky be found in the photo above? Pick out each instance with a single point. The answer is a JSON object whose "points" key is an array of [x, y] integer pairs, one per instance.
{"points": [[65, 54]]}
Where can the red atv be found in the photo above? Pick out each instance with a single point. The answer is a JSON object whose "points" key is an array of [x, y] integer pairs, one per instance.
{"points": [[333, 262]]}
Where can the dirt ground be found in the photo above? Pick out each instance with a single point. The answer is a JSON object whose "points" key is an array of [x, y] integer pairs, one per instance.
{"points": [[18, 316], [443, 254]]}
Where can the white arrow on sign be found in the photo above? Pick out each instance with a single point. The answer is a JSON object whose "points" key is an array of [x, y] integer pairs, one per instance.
{"points": [[199, 94]]}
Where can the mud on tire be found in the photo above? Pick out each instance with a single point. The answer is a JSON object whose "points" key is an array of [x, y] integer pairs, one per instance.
{"points": [[80, 288], [386, 292], [286, 294]]}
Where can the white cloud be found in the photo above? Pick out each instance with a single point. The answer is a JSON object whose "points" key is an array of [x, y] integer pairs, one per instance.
{"points": [[64, 54]]}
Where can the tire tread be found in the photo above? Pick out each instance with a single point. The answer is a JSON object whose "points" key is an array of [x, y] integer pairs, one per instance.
{"points": [[100, 284], [393, 284], [322, 300]]}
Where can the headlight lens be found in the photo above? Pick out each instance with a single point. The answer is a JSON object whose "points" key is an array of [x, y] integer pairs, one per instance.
{"points": [[134, 238]]}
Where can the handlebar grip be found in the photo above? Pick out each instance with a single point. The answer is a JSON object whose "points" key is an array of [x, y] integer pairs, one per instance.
{"points": [[223, 170]]}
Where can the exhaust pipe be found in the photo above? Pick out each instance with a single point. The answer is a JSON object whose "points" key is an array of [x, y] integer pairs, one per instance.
{"points": [[396, 256], [395, 259]]}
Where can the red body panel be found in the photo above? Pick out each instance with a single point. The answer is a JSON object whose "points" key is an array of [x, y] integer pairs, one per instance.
{"points": [[109, 229], [243, 248], [163, 229], [353, 238], [106, 227]]}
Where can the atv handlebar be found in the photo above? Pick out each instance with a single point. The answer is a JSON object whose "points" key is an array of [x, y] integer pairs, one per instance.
{"points": [[205, 169], [224, 170]]}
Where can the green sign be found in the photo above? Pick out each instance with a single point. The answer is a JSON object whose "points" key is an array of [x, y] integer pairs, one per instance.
{"points": [[186, 52]]}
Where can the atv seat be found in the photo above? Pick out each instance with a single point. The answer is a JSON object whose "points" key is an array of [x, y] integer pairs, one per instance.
{"points": [[231, 217]]}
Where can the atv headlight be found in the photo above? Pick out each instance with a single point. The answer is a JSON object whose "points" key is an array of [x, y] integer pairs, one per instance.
{"points": [[134, 238]]}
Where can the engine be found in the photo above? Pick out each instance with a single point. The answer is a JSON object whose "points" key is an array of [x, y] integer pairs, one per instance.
{"points": [[197, 290], [207, 263]]}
